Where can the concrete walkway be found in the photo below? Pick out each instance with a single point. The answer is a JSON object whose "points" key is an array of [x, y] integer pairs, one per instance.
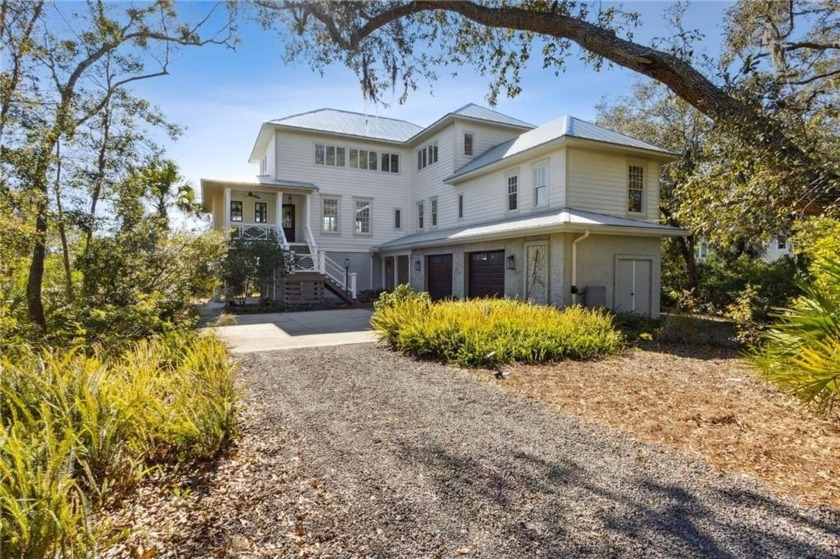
{"points": [[273, 331]]}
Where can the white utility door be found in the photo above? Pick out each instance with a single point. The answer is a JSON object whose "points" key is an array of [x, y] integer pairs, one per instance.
{"points": [[633, 279], [536, 272]]}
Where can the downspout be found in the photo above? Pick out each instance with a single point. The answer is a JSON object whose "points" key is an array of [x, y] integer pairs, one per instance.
{"points": [[575, 291]]}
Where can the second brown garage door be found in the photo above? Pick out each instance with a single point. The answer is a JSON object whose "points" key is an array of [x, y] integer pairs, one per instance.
{"points": [[487, 274], [439, 276]]}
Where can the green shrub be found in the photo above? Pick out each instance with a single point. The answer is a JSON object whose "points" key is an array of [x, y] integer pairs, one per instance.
{"points": [[80, 429], [484, 332], [802, 350]]}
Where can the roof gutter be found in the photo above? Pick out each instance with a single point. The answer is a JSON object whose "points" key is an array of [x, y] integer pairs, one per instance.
{"points": [[575, 291]]}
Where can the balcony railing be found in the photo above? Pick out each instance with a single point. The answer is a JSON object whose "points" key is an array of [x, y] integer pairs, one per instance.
{"points": [[259, 232]]}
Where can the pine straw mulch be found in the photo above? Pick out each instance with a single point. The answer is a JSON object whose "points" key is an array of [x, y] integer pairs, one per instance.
{"points": [[704, 401]]}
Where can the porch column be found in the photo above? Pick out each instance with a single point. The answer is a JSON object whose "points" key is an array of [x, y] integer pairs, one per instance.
{"points": [[307, 218], [278, 210], [226, 211], [353, 284], [396, 260]]}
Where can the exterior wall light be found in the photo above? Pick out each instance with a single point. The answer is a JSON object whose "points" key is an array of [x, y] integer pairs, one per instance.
{"points": [[510, 263]]}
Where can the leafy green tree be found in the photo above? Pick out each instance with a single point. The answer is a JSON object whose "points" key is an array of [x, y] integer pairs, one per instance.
{"points": [[67, 68], [252, 265]]}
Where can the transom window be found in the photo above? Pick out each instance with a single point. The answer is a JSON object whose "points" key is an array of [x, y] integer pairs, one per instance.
{"points": [[329, 213], [433, 211], [235, 210], [363, 216], [260, 212], [540, 186], [635, 188], [331, 156], [468, 143], [427, 156], [512, 193], [420, 216]]}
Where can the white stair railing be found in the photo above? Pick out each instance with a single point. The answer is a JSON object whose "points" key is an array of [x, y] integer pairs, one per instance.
{"points": [[337, 273]]}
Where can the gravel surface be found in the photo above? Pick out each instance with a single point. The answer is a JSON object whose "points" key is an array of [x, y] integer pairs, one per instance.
{"points": [[353, 451], [415, 459]]}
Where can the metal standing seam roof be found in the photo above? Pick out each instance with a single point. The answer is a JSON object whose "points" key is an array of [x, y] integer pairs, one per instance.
{"points": [[471, 110], [523, 225], [353, 124], [568, 126]]}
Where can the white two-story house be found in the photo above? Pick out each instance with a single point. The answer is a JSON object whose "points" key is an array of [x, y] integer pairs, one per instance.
{"points": [[476, 204]]}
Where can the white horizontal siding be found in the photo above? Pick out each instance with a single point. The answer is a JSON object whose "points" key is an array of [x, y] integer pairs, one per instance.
{"points": [[484, 138], [428, 182], [296, 161], [597, 181]]}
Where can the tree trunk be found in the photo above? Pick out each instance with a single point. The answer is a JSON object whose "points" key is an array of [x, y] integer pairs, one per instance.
{"points": [[36, 267], [62, 231]]}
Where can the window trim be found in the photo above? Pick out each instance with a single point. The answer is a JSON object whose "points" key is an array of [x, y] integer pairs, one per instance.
{"points": [[369, 202], [540, 165], [513, 174], [434, 212], [471, 153], [337, 200], [241, 216], [643, 190], [257, 213]]}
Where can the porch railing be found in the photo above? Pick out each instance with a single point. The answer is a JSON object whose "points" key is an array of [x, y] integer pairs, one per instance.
{"points": [[259, 232]]}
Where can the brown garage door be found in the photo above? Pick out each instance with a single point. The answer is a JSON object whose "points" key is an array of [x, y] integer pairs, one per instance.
{"points": [[487, 274], [439, 276]]}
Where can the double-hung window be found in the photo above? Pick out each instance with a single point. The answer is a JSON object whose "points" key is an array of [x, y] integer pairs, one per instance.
{"points": [[329, 215], [433, 211], [460, 206], [398, 219], [635, 188], [420, 216], [260, 212], [513, 193], [540, 186], [468, 143], [235, 210], [362, 218]]}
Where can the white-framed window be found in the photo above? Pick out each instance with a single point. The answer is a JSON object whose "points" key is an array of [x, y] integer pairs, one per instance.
{"points": [[541, 186], [398, 219], [235, 210], [390, 163], [513, 193], [330, 156], [468, 143], [329, 215], [635, 188], [362, 217], [701, 250], [260, 212], [427, 155], [460, 206], [363, 159], [433, 212], [420, 217]]}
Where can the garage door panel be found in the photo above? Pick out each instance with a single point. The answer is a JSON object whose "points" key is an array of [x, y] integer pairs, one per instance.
{"points": [[439, 276], [487, 274]]}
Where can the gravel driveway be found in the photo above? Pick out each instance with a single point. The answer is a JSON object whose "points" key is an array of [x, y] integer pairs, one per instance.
{"points": [[408, 459]]}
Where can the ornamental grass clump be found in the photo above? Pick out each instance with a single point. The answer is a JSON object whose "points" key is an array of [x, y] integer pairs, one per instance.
{"points": [[485, 332], [79, 430]]}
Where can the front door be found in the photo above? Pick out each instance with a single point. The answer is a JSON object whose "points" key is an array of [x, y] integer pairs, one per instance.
{"points": [[289, 222]]}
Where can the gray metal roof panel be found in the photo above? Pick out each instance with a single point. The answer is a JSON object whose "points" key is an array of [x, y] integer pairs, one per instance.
{"points": [[353, 124], [523, 224], [564, 126], [472, 110]]}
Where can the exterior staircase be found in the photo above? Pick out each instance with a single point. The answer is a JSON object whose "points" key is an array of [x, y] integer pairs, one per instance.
{"points": [[311, 272]]}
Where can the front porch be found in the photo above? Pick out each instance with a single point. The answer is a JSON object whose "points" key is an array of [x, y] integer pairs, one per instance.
{"points": [[269, 212]]}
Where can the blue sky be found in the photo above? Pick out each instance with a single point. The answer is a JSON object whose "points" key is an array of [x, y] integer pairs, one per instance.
{"points": [[222, 96]]}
